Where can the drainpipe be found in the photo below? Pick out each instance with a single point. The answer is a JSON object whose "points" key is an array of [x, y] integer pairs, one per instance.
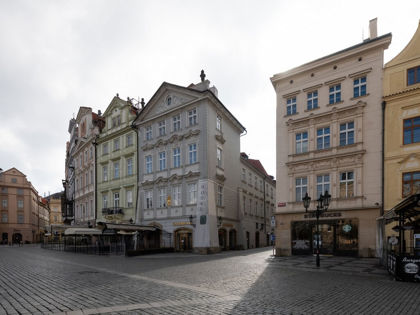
{"points": [[138, 170], [265, 219], [96, 179], [383, 158]]}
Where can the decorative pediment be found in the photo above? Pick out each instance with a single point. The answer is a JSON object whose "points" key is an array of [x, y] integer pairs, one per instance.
{"points": [[174, 177], [191, 174], [172, 139], [161, 179], [221, 177], [410, 162]]}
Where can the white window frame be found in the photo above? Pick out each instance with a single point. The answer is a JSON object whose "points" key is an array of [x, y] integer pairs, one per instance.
{"points": [[129, 139], [129, 166], [358, 86], [116, 144], [129, 198], [192, 153], [162, 197], [116, 170], [162, 161], [20, 204], [176, 160], [162, 128], [346, 182], [219, 157], [219, 199], [291, 106], [148, 133], [312, 100], [176, 122], [322, 184], [192, 193], [192, 117], [301, 187], [176, 195], [346, 133], [334, 91], [149, 164], [148, 199], [322, 138], [104, 201], [116, 196], [301, 142], [218, 123]]}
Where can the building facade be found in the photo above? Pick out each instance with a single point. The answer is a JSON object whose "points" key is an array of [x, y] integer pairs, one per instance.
{"points": [[257, 200], [402, 131], [89, 125], [24, 214], [69, 183], [55, 203], [117, 164], [329, 138], [189, 168]]}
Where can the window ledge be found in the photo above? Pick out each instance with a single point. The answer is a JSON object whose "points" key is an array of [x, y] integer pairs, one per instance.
{"points": [[297, 113], [310, 110], [361, 96], [337, 103]]}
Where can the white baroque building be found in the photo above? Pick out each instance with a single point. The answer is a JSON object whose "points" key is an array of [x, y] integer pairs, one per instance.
{"points": [[189, 168]]}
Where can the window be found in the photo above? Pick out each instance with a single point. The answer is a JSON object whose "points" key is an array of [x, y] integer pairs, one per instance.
{"points": [[301, 142], [129, 140], [346, 185], [20, 191], [177, 157], [219, 157], [4, 217], [104, 201], [359, 87], [244, 175], [20, 204], [4, 203], [192, 117], [162, 197], [149, 133], [323, 138], [21, 218], [322, 184], [347, 133], [413, 75], [116, 121], [192, 153], [312, 100], [250, 178], [87, 179], [91, 176], [176, 122], [14, 180], [4, 189], [149, 164], [176, 198], [291, 105], [192, 193], [129, 198], [244, 203], [335, 93], [162, 128], [129, 166], [116, 199], [301, 188], [105, 173], [116, 169], [148, 199], [91, 153], [162, 161], [116, 144], [411, 183], [218, 123], [105, 148], [219, 200], [411, 130], [255, 182]]}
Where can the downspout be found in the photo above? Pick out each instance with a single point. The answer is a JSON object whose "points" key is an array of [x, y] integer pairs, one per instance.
{"points": [[265, 219], [137, 170], [383, 159], [96, 181]]}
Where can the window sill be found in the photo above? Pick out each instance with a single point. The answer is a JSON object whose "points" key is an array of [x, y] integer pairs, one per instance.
{"points": [[357, 97], [294, 114], [312, 109], [337, 103]]}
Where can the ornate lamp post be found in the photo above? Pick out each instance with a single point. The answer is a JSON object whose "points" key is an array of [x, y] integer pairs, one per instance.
{"points": [[322, 206]]}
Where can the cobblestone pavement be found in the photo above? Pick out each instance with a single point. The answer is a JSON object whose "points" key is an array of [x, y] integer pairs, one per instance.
{"points": [[39, 281]]}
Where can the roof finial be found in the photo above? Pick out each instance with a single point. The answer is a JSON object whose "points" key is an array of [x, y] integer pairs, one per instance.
{"points": [[142, 102], [202, 75]]}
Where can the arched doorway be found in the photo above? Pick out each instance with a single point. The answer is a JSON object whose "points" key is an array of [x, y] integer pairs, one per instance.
{"points": [[183, 240], [222, 239], [232, 239]]}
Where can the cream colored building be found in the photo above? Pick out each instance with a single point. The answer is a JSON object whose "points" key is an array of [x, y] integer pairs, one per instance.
{"points": [[24, 214], [402, 129], [329, 138]]}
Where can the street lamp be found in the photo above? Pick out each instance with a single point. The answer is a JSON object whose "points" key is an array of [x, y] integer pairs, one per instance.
{"points": [[322, 206]]}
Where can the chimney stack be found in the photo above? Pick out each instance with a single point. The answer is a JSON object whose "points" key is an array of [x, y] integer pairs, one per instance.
{"points": [[373, 28]]}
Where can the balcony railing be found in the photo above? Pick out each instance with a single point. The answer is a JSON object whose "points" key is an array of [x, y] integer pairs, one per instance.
{"points": [[112, 210]]}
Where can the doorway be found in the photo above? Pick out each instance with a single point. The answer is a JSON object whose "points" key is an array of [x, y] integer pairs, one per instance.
{"points": [[222, 239], [183, 240]]}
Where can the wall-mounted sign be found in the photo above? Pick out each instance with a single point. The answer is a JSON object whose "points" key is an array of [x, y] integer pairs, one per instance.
{"points": [[281, 204], [347, 228], [323, 215], [393, 240]]}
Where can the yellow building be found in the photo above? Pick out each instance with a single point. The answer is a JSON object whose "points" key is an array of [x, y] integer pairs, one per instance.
{"points": [[402, 141]]}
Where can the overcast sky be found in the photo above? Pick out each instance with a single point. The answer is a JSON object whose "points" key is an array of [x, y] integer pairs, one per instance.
{"points": [[58, 55]]}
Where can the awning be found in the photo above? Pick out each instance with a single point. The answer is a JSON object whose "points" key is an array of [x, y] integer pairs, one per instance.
{"points": [[129, 227], [408, 208], [82, 231]]}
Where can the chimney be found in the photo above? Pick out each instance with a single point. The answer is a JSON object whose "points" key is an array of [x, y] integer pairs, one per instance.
{"points": [[99, 113], [373, 28]]}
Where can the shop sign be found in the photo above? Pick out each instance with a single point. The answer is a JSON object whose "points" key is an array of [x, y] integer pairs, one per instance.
{"points": [[323, 215], [180, 223], [281, 204], [347, 228]]}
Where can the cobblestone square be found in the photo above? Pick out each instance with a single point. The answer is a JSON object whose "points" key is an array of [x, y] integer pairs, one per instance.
{"points": [[39, 281]]}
